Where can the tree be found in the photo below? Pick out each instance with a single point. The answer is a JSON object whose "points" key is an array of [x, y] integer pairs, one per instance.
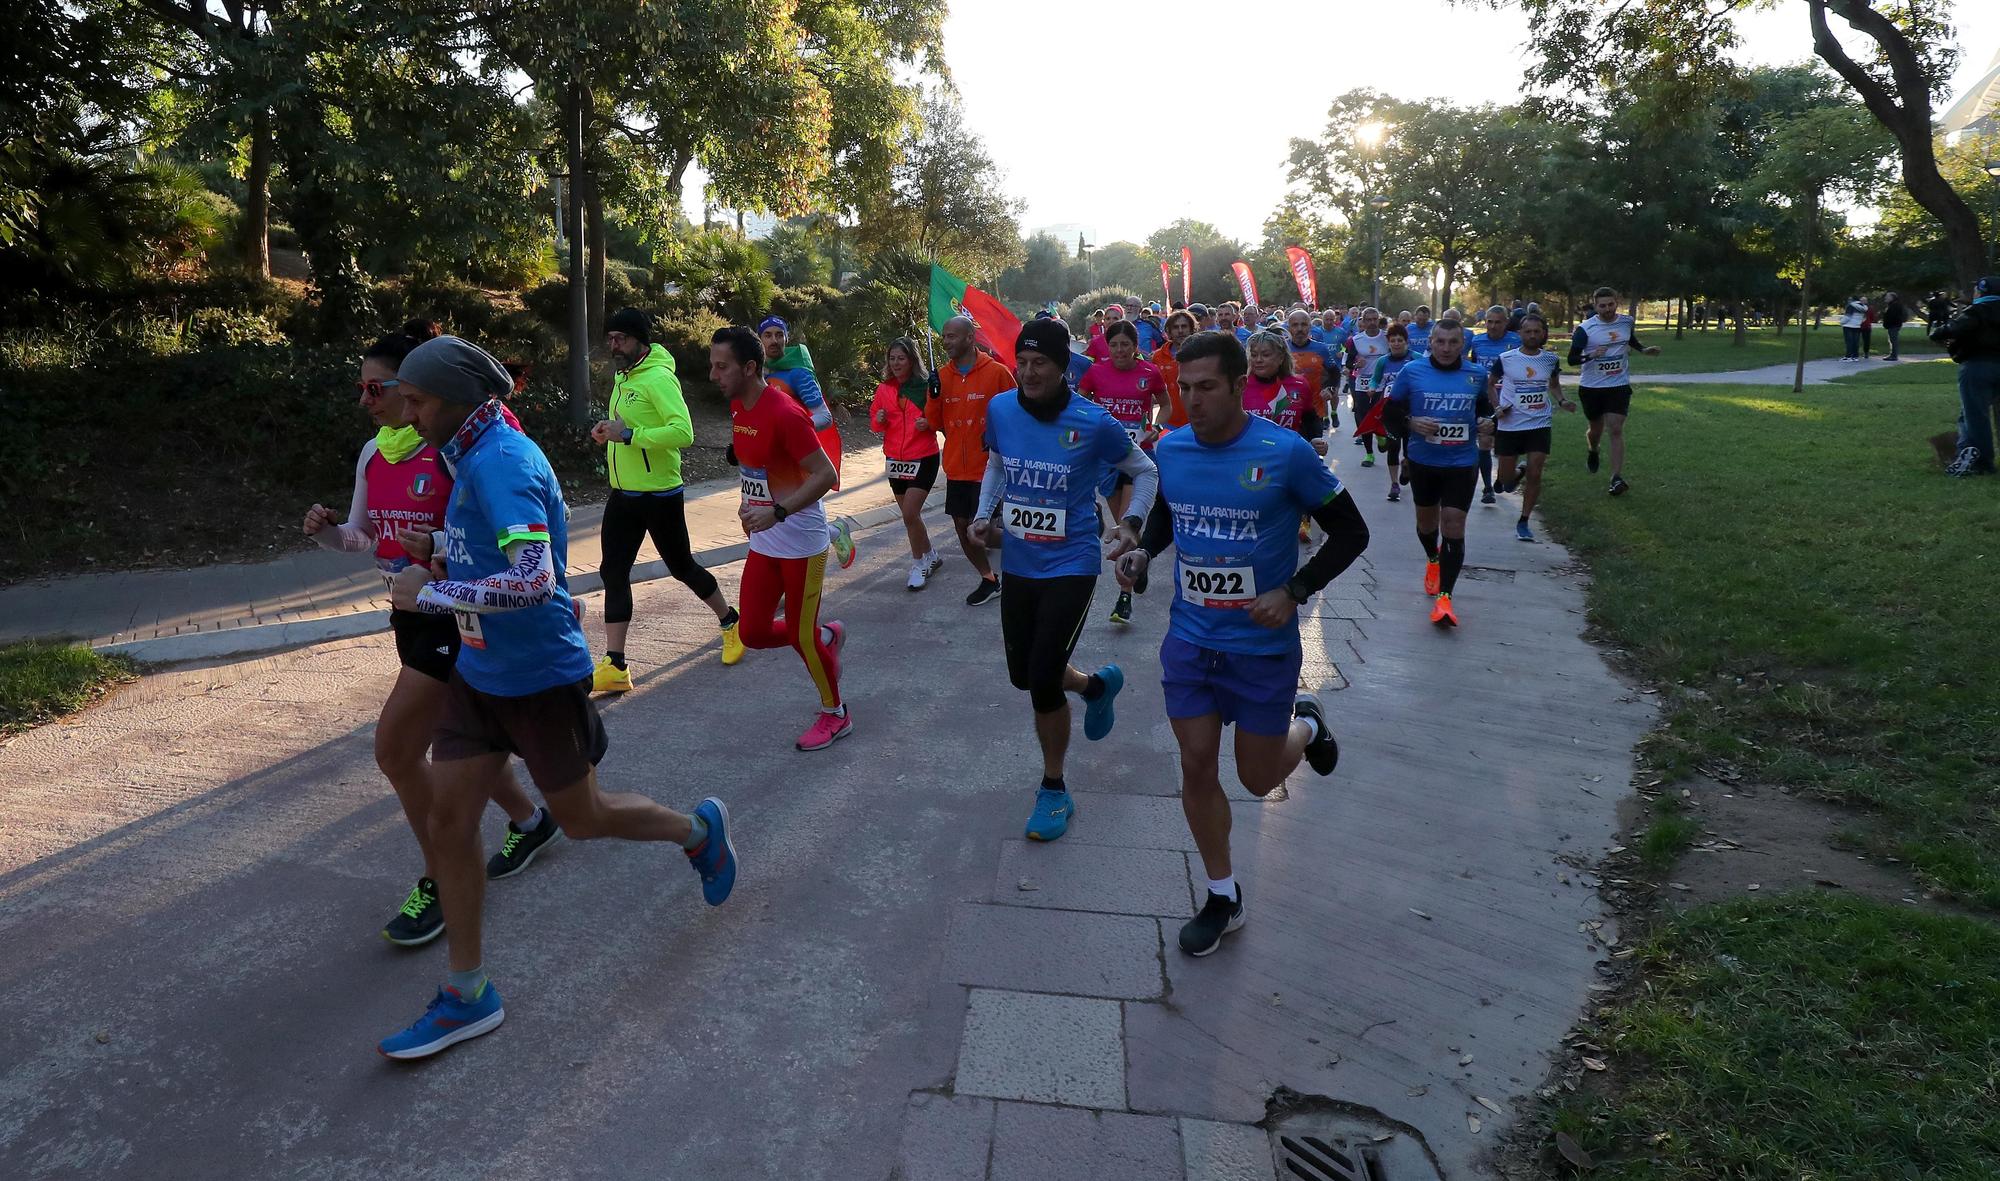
{"points": [[1442, 182], [1041, 275], [1213, 282], [1680, 49], [945, 199]]}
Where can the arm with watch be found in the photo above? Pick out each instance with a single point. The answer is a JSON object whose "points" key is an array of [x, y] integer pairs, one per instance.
{"points": [[818, 482], [1346, 537]]}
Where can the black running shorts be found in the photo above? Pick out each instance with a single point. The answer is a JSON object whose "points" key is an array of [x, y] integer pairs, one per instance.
{"points": [[1451, 487], [961, 499], [926, 478], [556, 732], [1615, 399], [426, 643], [1533, 441]]}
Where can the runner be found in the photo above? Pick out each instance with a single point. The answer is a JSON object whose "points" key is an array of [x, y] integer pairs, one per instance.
{"points": [[1048, 452], [522, 681], [1133, 392], [1482, 350], [1152, 332], [647, 427], [1247, 322], [1098, 347], [1272, 391], [1521, 383], [1180, 326], [1366, 345], [1439, 405], [966, 383], [1605, 383], [401, 485], [1380, 382], [910, 449], [1315, 362], [1228, 317], [790, 367], [785, 472], [1419, 329], [1204, 317], [1233, 484]]}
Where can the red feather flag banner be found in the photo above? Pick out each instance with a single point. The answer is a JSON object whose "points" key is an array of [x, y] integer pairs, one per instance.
{"points": [[1302, 274], [1187, 275], [1166, 287], [1245, 280]]}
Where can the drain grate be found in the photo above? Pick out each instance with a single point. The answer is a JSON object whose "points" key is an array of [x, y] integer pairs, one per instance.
{"points": [[1322, 1158]]}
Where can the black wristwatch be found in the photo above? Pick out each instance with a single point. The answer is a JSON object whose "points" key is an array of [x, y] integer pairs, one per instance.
{"points": [[778, 512], [1298, 590], [1138, 523]]}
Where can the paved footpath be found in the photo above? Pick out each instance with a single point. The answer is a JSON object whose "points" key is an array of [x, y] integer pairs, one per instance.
{"points": [[312, 594], [1820, 371], [193, 872]]}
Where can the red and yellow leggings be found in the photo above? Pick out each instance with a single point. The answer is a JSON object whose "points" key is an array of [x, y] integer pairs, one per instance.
{"points": [[797, 580]]}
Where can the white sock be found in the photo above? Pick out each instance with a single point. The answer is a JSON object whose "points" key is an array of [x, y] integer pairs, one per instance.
{"points": [[838, 711], [527, 825], [1224, 886], [826, 635], [1312, 727]]}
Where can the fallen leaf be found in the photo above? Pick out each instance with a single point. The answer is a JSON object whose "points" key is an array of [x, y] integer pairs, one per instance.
{"points": [[1753, 886], [1026, 884], [1681, 886], [1616, 849], [1472, 1121], [1573, 1152], [1420, 914], [1488, 1104], [1419, 1092], [1593, 1064], [1465, 1061]]}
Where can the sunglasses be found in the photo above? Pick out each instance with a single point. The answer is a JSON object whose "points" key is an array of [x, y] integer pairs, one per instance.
{"points": [[375, 389]]}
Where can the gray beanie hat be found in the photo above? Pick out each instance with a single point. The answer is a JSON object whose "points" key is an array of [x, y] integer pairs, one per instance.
{"points": [[456, 370]]}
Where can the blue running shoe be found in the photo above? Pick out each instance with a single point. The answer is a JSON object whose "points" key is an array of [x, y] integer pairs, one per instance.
{"points": [[715, 859], [1522, 531], [1098, 716], [1051, 817], [449, 1020]]}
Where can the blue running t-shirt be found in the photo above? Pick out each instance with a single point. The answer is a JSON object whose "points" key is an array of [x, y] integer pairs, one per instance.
{"points": [[1049, 503], [1483, 350], [505, 492], [1452, 397], [1236, 508]]}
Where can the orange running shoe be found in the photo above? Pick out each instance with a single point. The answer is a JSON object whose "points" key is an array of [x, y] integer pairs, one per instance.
{"points": [[1432, 577], [1442, 614]]}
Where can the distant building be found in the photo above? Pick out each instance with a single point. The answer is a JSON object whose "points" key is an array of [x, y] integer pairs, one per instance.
{"points": [[1977, 112]]}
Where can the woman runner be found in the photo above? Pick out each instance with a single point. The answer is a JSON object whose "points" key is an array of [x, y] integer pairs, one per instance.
{"points": [[911, 448]]}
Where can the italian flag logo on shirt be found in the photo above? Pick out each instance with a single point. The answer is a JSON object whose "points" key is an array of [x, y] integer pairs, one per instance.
{"points": [[1254, 477], [1071, 438]]}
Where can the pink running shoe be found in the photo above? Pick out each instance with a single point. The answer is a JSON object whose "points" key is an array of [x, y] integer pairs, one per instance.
{"points": [[826, 730]]}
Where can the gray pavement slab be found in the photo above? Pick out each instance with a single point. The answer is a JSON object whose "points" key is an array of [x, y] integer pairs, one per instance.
{"points": [[1033, 1143], [1093, 878], [1226, 1152], [1043, 1048], [946, 1138], [1012, 947]]}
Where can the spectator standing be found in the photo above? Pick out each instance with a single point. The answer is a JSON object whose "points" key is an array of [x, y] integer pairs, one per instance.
{"points": [[1894, 315], [1868, 331], [1853, 314], [1972, 337]]}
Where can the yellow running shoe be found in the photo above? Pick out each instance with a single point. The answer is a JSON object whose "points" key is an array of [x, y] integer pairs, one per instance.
{"points": [[609, 678], [732, 645]]}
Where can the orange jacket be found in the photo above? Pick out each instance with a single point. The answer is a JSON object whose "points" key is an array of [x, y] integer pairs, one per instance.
{"points": [[958, 408]]}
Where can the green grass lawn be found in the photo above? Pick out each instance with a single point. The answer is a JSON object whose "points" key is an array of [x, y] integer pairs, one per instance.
{"points": [[1811, 595], [1803, 1037], [40, 680], [1714, 351]]}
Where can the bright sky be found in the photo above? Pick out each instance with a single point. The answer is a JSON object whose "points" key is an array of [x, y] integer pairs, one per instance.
{"points": [[1028, 113]]}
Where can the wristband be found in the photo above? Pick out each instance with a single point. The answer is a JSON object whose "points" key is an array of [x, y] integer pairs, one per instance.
{"points": [[778, 512]]}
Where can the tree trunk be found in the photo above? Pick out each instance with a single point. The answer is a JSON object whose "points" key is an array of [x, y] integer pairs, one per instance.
{"points": [[1805, 289], [1909, 121], [1742, 330], [579, 299], [254, 233], [594, 222], [1680, 316], [1450, 270], [345, 310]]}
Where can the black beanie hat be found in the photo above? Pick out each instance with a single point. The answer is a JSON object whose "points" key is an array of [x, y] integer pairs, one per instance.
{"points": [[1047, 337], [631, 322]]}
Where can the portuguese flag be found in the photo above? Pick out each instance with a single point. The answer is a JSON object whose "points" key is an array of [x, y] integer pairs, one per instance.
{"points": [[995, 326]]}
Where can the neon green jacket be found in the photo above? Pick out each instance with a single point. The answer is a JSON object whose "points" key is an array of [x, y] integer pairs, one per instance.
{"points": [[647, 399]]}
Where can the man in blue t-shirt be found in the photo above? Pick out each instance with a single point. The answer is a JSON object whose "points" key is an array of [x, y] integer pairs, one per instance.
{"points": [[1048, 448], [1440, 405], [1482, 349], [1235, 485], [522, 681]]}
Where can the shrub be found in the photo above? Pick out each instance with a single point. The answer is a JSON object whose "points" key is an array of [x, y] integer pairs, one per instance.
{"points": [[1078, 310]]}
